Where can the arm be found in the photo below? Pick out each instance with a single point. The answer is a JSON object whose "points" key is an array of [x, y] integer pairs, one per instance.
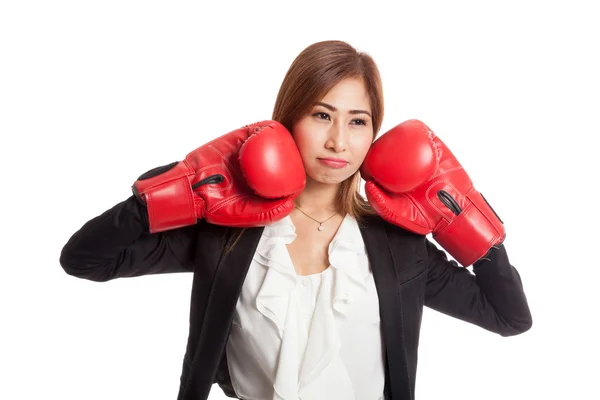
{"points": [[491, 298], [247, 177], [117, 244]]}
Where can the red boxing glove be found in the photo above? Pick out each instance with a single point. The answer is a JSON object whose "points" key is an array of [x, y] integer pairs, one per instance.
{"points": [[248, 177], [415, 182]]}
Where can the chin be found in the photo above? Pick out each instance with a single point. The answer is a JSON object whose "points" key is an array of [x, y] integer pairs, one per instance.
{"points": [[329, 179]]}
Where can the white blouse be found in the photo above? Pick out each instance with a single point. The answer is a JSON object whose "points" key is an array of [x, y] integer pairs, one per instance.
{"points": [[307, 337]]}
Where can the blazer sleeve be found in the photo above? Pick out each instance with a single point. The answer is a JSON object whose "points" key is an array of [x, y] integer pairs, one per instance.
{"points": [[491, 297], [117, 244]]}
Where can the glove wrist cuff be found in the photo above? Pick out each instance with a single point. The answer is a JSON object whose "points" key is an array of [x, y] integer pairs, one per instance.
{"points": [[470, 235], [168, 198]]}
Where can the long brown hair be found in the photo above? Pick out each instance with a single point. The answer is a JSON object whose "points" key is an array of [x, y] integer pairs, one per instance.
{"points": [[314, 72]]}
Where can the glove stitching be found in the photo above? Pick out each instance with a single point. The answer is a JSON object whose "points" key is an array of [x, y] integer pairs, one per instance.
{"points": [[443, 172], [240, 197], [231, 168], [418, 206], [228, 201]]}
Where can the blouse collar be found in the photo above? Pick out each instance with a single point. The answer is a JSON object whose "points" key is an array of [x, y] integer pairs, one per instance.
{"points": [[343, 283]]}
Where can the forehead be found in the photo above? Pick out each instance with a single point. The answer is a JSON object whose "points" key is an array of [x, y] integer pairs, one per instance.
{"points": [[348, 94]]}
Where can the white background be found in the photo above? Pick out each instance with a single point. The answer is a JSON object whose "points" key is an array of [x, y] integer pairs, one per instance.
{"points": [[94, 93]]}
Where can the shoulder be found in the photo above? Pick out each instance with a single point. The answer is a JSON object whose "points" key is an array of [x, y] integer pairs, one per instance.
{"points": [[377, 222], [399, 240], [211, 234]]}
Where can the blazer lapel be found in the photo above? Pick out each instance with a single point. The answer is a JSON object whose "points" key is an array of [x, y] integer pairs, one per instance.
{"points": [[222, 300], [388, 272], [391, 259]]}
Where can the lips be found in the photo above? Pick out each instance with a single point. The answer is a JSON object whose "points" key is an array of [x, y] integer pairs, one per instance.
{"points": [[340, 160], [333, 162]]}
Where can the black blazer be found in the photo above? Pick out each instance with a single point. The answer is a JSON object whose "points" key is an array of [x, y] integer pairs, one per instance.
{"points": [[409, 272]]}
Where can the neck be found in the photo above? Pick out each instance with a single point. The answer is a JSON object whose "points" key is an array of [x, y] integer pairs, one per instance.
{"points": [[318, 198]]}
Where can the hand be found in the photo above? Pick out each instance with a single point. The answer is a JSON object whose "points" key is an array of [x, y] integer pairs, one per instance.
{"points": [[415, 182], [248, 177]]}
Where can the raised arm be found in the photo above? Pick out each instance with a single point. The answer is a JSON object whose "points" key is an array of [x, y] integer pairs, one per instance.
{"points": [[492, 298], [117, 244], [245, 178]]}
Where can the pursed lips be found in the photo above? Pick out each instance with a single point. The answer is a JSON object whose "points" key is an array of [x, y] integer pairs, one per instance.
{"points": [[333, 162], [340, 160]]}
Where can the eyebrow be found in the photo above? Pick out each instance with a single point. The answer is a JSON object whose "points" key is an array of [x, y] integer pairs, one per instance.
{"points": [[332, 108]]}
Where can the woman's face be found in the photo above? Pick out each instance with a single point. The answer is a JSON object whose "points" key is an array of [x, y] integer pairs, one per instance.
{"points": [[336, 133]]}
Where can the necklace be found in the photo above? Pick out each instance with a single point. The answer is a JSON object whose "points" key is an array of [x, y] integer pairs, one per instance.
{"points": [[320, 227]]}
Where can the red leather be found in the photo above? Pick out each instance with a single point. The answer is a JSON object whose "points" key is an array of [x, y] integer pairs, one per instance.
{"points": [[406, 169], [245, 178]]}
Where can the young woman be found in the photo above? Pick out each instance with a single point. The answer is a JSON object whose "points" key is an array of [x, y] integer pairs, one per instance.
{"points": [[301, 288]]}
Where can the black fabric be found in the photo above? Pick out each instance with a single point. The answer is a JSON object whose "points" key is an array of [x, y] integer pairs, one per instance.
{"points": [[409, 271], [157, 171]]}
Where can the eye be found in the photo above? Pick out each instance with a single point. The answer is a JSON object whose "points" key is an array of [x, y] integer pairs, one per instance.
{"points": [[360, 121], [322, 115]]}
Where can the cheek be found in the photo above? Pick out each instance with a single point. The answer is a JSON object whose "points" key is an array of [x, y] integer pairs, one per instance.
{"points": [[362, 146], [303, 142], [308, 137]]}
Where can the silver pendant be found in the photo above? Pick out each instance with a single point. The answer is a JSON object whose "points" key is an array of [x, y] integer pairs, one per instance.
{"points": [[320, 228]]}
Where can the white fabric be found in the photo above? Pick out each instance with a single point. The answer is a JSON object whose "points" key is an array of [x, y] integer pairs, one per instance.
{"points": [[307, 337]]}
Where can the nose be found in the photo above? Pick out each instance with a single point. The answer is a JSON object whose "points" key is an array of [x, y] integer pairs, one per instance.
{"points": [[338, 137]]}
